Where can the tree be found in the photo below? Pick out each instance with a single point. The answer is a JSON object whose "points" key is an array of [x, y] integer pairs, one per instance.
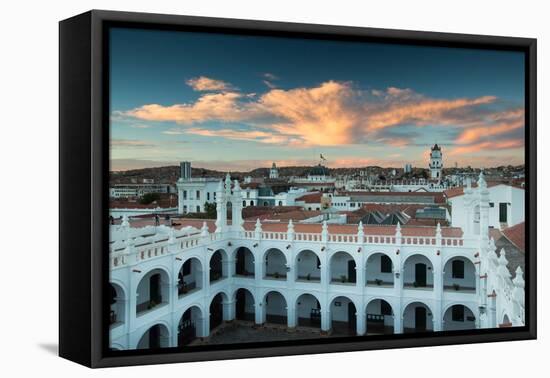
{"points": [[148, 198]]}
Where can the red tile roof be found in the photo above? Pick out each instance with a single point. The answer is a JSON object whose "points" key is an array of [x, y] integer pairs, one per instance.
{"points": [[455, 192], [311, 198], [412, 231], [516, 235]]}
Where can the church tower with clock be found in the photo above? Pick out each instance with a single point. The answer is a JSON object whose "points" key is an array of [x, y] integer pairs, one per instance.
{"points": [[436, 163]]}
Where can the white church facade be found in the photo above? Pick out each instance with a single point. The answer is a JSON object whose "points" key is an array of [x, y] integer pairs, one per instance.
{"points": [[171, 285]]}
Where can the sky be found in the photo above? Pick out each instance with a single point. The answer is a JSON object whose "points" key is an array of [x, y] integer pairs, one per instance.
{"points": [[233, 102]]}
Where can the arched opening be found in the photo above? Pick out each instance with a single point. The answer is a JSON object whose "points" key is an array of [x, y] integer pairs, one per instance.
{"points": [[417, 317], [280, 203], [458, 317], [308, 267], [216, 310], [156, 337], [459, 274], [379, 271], [187, 327], [218, 266], [244, 305], [418, 273], [244, 203], [152, 291], [343, 316], [505, 322], [189, 277], [275, 308], [244, 262], [308, 311], [275, 264], [380, 317], [342, 269], [118, 305]]}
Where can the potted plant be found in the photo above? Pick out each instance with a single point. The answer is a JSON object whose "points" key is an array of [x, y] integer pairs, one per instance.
{"points": [[456, 286], [308, 277], [343, 278], [276, 275], [378, 281]]}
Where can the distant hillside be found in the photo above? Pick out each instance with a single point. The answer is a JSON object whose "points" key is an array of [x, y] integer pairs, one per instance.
{"points": [[170, 174]]}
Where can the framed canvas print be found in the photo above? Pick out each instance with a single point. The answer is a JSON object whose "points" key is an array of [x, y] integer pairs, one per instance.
{"points": [[234, 188]]}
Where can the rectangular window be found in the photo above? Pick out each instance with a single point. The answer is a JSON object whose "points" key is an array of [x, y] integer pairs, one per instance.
{"points": [[458, 313], [458, 269], [198, 194], [185, 194], [385, 264], [208, 196], [503, 212], [491, 204]]}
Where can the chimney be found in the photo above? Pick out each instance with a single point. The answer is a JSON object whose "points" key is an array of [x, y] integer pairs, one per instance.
{"points": [[185, 170]]}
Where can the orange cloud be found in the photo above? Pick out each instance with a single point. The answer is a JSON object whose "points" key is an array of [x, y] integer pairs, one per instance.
{"points": [[333, 113], [203, 83], [478, 147]]}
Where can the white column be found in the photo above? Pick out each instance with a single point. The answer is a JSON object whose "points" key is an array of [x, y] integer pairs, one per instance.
{"points": [[361, 322], [202, 325], [398, 317], [326, 321], [228, 310], [291, 315], [259, 312]]}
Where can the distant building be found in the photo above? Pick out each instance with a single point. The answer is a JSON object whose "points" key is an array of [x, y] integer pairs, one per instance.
{"points": [[408, 168], [436, 163], [138, 190], [194, 193], [506, 208], [274, 172]]}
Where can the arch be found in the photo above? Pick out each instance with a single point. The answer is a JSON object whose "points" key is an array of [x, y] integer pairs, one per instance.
{"points": [[418, 272], [244, 262], [117, 301], [245, 304], [188, 324], [342, 268], [343, 313], [190, 276], [152, 290], [155, 337], [308, 310], [417, 317], [274, 264], [276, 307], [218, 265], [459, 274], [216, 310], [379, 270], [380, 317], [458, 317], [308, 266]]}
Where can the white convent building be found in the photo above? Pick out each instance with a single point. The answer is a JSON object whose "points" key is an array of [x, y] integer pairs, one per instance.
{"points": [[436, 163], [172, 286]]}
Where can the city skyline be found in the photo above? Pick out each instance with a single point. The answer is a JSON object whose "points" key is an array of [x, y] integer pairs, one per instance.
{"points": [[231, 102]]}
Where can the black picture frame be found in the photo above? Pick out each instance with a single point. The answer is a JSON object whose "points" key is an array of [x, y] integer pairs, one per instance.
{"points": [[84, 168]]}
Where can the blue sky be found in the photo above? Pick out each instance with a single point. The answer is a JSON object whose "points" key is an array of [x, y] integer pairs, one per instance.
{"points": [[238, 102]]}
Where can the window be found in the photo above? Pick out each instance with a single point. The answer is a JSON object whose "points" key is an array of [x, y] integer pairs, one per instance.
{"points": [[198, 194], [503, 212], [214, 196], [198, 209], [280, 203], [458, 313], [244, 203], [208, 196], [185, 194], [251, 203], [385, 308], [458, 269], [385, 264], [491, 204]]}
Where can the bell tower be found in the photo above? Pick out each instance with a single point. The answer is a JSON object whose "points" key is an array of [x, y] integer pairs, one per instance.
{"points": [[436, 163]]}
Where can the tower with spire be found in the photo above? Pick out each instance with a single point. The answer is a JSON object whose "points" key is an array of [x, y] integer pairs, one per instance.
{"points": [[274, 172], [436, 163]]}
